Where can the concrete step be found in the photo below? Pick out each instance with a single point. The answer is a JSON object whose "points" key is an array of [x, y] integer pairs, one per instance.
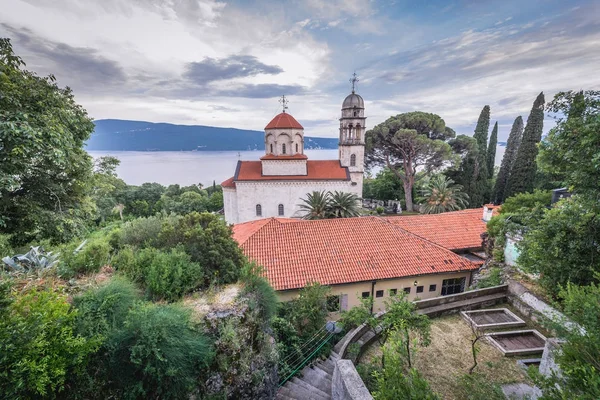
{"points": [[317, 378], [308, 385], [326, 366], [283, 393], [366, 338], [300, 392], [469, 304], [334, 355]]}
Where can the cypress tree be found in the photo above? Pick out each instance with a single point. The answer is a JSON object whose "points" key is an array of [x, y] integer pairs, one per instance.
{"points": [[508, 160], [522, 175], [480, 191], [491, 151]]}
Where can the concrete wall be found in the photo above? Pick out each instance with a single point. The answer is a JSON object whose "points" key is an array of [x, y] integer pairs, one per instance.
{"points": [[269, 194], [230, 205], [354, 291], [284, 167], [289, 137], [511, 252], [346, 383]]}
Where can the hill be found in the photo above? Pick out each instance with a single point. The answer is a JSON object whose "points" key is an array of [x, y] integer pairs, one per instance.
{"points": [[124, 135]]}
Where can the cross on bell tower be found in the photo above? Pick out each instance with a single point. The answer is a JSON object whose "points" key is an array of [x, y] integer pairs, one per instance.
{"points": [[284, 102], [354, 79]]}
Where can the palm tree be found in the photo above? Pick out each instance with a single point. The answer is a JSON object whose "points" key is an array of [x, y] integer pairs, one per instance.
{"points": [[342, 205], [440, 194], [315, 205]]}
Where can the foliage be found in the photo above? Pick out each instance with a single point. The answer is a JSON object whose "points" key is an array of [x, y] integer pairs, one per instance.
{"points": [[466, 148], [322, 205], [408, 143], [508, 160], [578, 356], [481, 174], [563, 245], [522, 175], [493, 278], [368, 371], [157, 354], [396, 380], [526, 201], [106, 187], [259, 291], [385, 186], [5, 246], [439, 194], [36, 259], [380, 210], [491, 151], [571, 147], [38, 346], [143, 232], [44, 169], [308, 312], [477, 387], [94, 254]]}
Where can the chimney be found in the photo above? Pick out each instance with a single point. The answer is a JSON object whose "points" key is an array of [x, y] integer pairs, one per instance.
{"points": [[488, 212]]}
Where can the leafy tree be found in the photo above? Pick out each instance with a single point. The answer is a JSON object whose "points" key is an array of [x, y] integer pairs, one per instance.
{"points": [[408, 143], [491, 151], [343, 205], [481, 174], [308, 312], [440, 194], [508, 160], [563, 245], [38, 346], [259, 291], [315, 205], [571, 147], [468, 151], [578, 356], [523, 172], [524, 202], [44, 169], [385, 186]]}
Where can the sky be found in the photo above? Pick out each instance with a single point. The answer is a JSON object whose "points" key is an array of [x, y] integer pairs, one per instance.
{"points": [[225, 63]]}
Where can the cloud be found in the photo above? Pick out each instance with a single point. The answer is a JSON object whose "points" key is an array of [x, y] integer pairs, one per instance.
{"points": [[237, 66], [260, 91]]}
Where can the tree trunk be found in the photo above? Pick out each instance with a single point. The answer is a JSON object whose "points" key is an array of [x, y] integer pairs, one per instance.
{"points": [[408, 195], [407, 336]]}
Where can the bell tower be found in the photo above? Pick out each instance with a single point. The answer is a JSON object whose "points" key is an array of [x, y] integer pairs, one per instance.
{"points": [[352, 137]]}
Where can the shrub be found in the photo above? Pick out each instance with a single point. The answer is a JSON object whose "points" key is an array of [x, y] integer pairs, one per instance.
{"points": [[259, 291], [477, 387], [170, 275], [38, 346], [158, 354], [527, 201], [143, 232], [380, 210], [5, 246], [94, 254], [493, 278]]}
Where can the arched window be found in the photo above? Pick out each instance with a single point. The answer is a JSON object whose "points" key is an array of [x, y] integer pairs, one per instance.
{"points": [[283, 148], [355, 113], [258, 210], [296, 147], [280, 210], [353, 160], [357, 133], [271, 148]]}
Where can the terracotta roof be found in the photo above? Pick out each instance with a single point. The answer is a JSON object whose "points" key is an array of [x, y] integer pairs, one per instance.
{"points": [[337, 251], [316, 170], [228, 183], [283, 121], [457, 230], [284, 157]]}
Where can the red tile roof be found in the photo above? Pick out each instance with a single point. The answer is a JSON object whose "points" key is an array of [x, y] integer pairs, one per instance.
{"points": [[283, 121], [285, 157], [338, 251], [316, 170], [457, 230], [228, 183]]}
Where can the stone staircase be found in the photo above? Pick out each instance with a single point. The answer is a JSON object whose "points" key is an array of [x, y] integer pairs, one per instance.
{"points": [[313, 383]]}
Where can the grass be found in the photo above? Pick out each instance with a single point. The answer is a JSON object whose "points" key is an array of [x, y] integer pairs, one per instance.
{"points": [[449, 356]]}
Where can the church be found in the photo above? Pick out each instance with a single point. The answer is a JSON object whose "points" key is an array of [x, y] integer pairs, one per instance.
{"points": [[274, 185]]}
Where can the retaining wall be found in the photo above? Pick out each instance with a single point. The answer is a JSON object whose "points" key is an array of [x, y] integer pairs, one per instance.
{"points": [[346, 383]]}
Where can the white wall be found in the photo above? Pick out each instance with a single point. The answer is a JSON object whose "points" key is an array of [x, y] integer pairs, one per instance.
{"points": [[230, 205], [284, 167]]}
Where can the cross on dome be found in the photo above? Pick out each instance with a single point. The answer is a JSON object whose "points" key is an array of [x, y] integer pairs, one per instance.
{"points": [[354, 79], [284, 102]]}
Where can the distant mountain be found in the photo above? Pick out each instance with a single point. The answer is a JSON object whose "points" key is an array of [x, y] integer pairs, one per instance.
{"points": [[123, 135]]}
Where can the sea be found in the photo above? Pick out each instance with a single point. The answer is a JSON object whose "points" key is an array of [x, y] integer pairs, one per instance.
{"points": [[193, 167]]}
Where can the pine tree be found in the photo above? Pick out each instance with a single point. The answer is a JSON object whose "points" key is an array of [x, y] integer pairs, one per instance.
{"points": [[522, 175], [508, 160], [480, 178], [491, 151]]}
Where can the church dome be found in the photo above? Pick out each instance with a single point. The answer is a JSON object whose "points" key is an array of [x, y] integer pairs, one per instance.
{"points": [[284, 121], [353, 100]]}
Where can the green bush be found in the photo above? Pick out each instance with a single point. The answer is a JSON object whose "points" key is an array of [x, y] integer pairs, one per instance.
{"points": [[493, 278], [5, 246], [527, 201], [380, 210], [259, 291], [38, 346], [171, 275], [94, 254], [143, 232], [158, 354], [477, 387]]}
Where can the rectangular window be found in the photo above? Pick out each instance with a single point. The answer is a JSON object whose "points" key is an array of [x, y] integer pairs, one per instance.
{"points": [[365, 295], [419, 289], [333, 303], [407, 290], [393, 292], [379, 293], [453, 286], [432, 288]]}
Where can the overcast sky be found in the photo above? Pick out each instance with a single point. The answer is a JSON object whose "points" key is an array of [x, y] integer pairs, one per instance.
{"points": [[225, 63]]}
